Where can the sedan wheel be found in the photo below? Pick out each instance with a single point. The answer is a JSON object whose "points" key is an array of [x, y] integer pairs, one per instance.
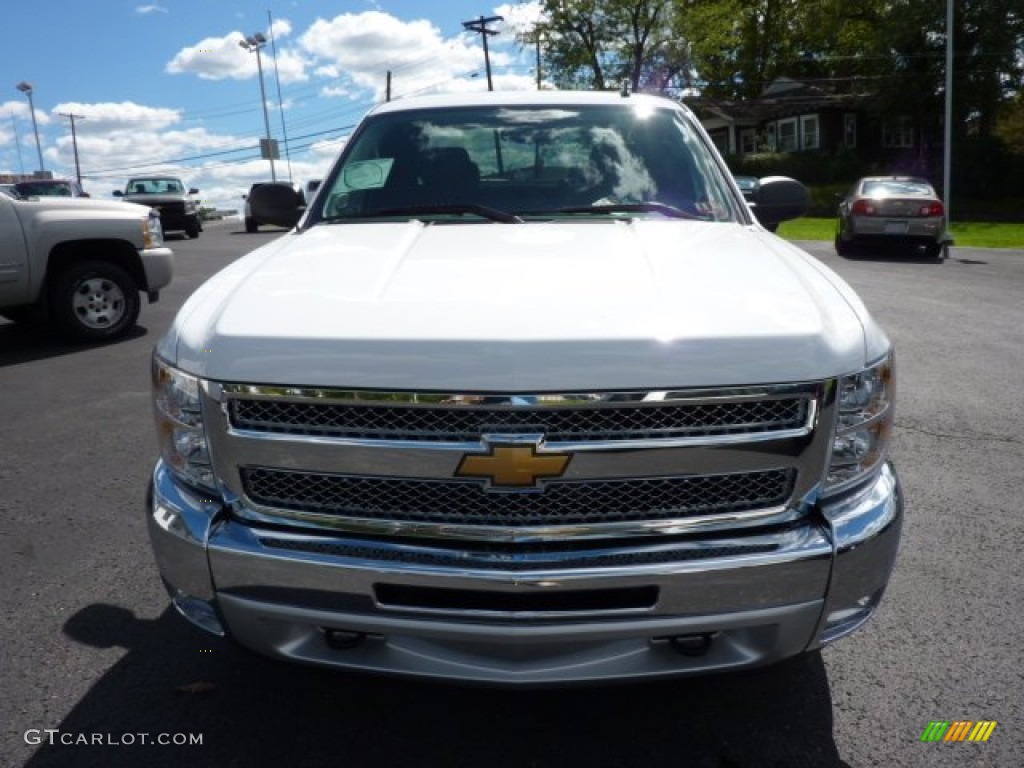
{"points": [[843, 248]]}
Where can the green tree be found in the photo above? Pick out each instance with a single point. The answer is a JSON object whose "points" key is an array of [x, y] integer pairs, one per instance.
{"points": [[1010, 125], [603, 44]]}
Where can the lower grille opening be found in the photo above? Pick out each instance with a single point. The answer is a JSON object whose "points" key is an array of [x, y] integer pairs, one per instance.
{"points": [[440, 599]]}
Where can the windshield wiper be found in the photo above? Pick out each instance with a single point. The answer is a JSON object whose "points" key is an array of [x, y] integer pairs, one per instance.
{"points": [[484, 211], [665, 210]]}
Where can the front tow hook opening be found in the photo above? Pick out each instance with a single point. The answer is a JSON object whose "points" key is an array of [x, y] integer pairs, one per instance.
{"points": [[693, 645], [342, 639]]}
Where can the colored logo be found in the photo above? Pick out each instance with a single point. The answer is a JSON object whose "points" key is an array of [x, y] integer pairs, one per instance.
{"points": [[513, 465], [958, 730]]}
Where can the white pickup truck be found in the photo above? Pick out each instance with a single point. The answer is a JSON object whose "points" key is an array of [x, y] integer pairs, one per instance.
{"points": [[527, 397], [80, 262]]}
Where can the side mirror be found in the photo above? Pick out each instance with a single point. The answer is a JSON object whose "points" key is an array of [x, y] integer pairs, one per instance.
{"points": [[276, 204], [778, 199], [193, 191], [118, 193]]}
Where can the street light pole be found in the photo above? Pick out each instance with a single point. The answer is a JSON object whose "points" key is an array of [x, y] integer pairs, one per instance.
{"points": [[255, 43], [26, 88], [947, 148]]}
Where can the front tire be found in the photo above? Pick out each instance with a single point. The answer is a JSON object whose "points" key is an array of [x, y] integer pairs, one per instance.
{"points": [[251, 225], [193, 229], [94, 301], [843, 248]]}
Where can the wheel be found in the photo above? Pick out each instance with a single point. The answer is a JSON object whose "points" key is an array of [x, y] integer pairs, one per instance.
{"points": [[94, 300], [251, 225], [935, 251], [843, 248], [193, 230]]}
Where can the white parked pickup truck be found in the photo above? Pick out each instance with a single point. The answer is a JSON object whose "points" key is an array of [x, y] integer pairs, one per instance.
{"points": [[80, 262], [526, 397]]}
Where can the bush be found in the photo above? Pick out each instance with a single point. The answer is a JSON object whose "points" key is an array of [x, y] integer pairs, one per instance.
{"points": [[807, 167]]}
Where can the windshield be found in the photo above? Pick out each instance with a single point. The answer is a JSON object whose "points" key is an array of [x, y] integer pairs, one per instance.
{"points": [[894, 188], [501, 162], [155, 187], [44, 189]]}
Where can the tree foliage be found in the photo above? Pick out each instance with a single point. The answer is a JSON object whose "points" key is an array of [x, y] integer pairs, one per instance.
{"points": [[605, 44], [891, 49]]}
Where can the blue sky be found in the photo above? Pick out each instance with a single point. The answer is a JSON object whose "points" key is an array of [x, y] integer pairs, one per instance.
{"points": [[162, 85]]}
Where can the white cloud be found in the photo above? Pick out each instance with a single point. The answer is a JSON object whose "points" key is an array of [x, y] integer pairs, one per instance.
{"points": [[363, 47], [126, 115], [152, 8], [221, 58], [19, 109], [281, 28], [520, 18]]}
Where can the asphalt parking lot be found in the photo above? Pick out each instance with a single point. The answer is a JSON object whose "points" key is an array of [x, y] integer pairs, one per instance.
{"points": [[90, 647]]}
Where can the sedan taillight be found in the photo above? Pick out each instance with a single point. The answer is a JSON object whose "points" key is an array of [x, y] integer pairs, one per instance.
{"points": [[863, 208], [933, 209]]}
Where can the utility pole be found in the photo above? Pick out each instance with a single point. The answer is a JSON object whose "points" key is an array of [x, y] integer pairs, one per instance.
{"points": [[537, 42], [74, 142], [387, 89], [480, 26]]}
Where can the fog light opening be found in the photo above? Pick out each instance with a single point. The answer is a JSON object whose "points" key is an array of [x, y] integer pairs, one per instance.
{"points": [[199, 612], [693, 645], [342, 639]]}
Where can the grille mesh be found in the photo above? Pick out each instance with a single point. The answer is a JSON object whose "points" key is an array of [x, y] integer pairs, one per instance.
{"points": [[560, 503], [635, 421]]}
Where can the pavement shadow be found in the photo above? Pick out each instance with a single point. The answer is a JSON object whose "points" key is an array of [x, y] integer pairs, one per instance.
{"points": [[25, 343], [252, 711], [893, 253]]}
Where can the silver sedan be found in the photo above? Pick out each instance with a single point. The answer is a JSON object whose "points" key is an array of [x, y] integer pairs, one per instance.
{"points": [[894, 210]]}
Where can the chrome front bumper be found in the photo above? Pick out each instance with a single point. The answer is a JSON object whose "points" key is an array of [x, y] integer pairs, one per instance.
{"points": [[727, 603]]}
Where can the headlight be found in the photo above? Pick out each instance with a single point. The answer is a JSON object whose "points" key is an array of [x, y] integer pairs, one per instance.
{"points": [[863, 425], [152, 231], [179, 425]]}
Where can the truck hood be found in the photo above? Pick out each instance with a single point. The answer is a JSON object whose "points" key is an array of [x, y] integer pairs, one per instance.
{"points": [[82, 205], [560, 306]]}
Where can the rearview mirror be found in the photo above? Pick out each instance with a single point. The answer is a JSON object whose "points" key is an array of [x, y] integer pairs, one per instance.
{"points": [[779, 198]]}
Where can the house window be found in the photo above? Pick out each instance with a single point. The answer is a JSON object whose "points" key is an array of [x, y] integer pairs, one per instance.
{"points": [[720, 138], [809, 136], [850, 130], [897, 132], [748, 141], [773, 142], [787, 135]]}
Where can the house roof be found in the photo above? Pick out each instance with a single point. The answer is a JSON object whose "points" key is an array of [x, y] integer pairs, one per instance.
{"points": [[782, 97]]}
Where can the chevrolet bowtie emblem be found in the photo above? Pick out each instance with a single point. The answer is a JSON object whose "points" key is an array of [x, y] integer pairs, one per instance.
{"points": [[513, 466]]}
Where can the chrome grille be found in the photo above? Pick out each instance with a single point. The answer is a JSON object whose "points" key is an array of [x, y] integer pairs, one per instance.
{"points": [[559, 503], [585, 421], [522, 557]]}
